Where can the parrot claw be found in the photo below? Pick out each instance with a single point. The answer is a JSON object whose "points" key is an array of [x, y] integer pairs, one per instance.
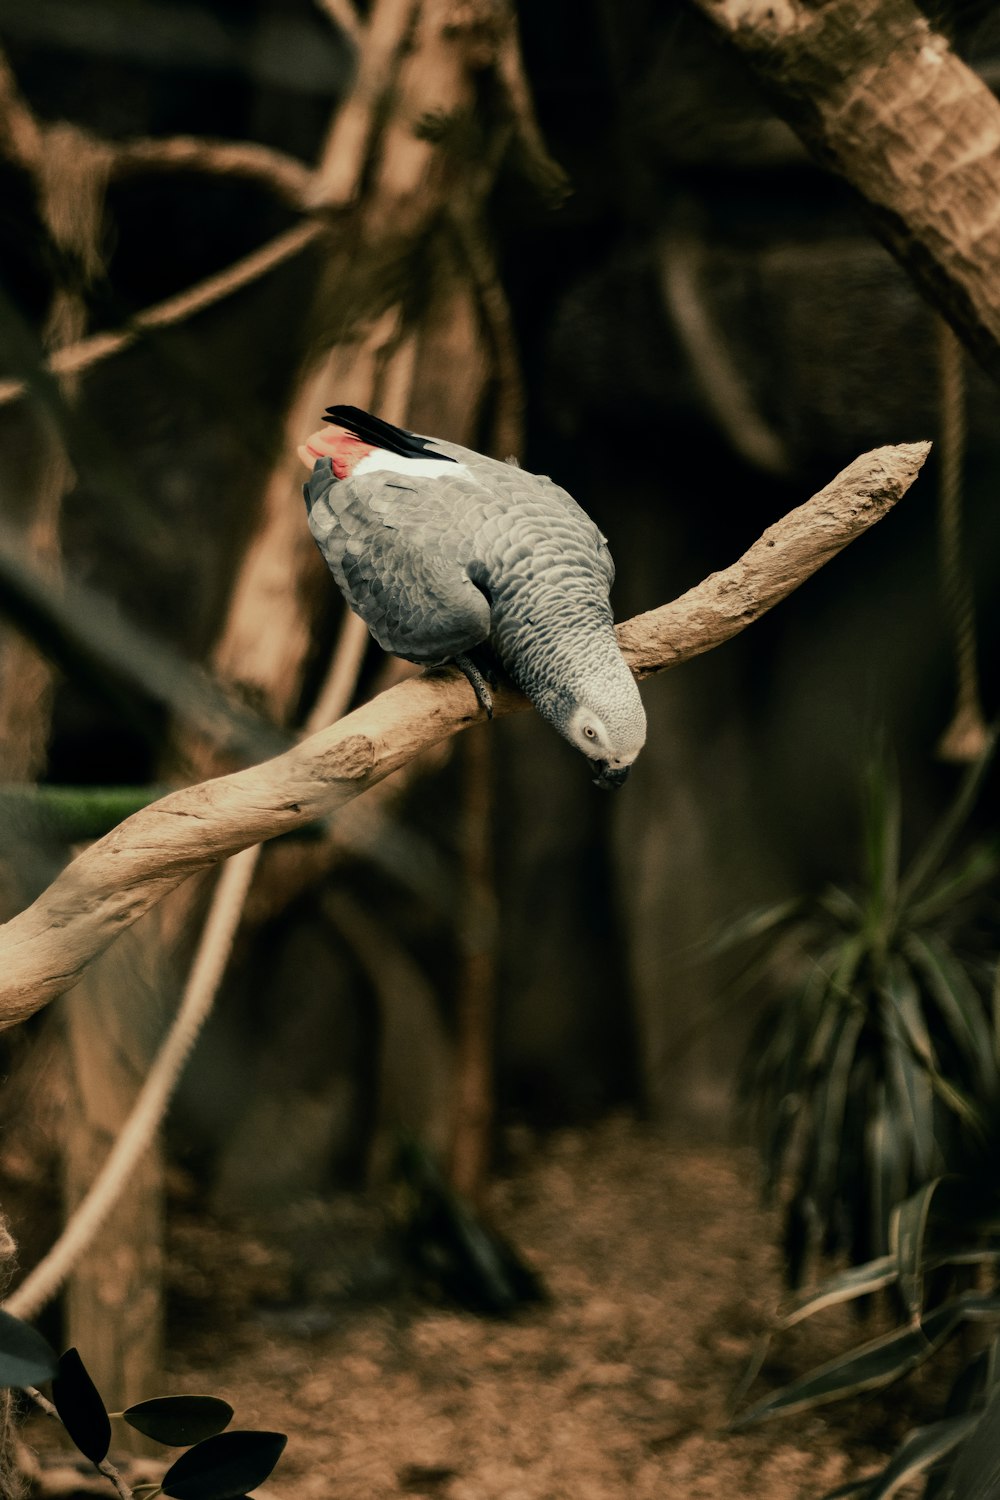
{"points": [[478, 683]]}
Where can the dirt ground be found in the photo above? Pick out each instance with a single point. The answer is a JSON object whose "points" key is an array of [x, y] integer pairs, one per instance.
{"points": [[662, 1275]]}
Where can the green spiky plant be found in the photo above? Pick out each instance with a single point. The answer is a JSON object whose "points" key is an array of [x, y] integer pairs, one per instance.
{"points": [[924, 1059], [878, 1053], [941, 1237]]}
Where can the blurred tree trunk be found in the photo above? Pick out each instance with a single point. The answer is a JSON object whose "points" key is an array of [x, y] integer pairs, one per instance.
{"points": [[878, 95], [115, 1302], [407, 320], [114, 1298]]}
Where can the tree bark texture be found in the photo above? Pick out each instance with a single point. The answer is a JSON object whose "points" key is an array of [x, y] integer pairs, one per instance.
{"points": [[879, 96], [114, 1305], [47, 948]]}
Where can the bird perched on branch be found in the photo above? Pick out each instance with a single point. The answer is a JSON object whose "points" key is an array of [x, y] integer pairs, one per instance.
{"points": [[449, 556]]}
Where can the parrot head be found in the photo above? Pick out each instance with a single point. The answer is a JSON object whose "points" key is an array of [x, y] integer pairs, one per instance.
{"points": [[609, 729]]}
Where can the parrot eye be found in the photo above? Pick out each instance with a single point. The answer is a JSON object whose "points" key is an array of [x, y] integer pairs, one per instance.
{"points": [[590, 731]]}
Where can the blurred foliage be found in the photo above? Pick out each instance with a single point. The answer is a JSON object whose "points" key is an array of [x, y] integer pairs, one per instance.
{"points": [[941, 1238], [877, 1055], [72, 814], [875, 1083]]}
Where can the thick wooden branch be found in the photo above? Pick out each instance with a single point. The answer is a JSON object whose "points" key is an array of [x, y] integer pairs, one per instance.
{"points": [[878, 95], [45, 949]]}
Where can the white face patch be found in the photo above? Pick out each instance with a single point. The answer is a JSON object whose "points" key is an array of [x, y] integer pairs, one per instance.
{"points": [[381, 461]]}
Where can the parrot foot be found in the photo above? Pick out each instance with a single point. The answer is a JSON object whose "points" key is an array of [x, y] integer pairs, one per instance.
{"points": [[478, 683]]}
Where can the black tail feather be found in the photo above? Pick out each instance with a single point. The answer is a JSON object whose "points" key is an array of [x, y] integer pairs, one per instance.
{"points": [[382, 434]]}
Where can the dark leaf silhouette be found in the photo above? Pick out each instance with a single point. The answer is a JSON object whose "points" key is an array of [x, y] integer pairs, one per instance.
{"points": [[81, 1410], [225, 1467], [976, 1474], [25, 1357], [179, 1421]]}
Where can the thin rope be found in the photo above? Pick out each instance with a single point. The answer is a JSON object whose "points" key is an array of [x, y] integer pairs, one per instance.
{"points": [[214, 948], [965, 737]]}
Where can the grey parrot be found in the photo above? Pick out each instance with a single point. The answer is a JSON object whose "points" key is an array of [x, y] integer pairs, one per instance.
{"points": [[449, 556]]}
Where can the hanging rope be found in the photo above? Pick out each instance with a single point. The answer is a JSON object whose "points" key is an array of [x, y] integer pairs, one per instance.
{"points": [[965, 737]]}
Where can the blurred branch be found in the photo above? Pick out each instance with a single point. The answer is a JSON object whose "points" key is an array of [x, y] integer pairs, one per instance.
{"points": [[104, 1466], [344, 16], [494, 310], [334, 182], [89, 351], [721, 384], [20, 134], [147, 1112], [86, 634], [45, 949], [287, 177], [215, 943], [877, 95], [539, 167], [386, 35]]}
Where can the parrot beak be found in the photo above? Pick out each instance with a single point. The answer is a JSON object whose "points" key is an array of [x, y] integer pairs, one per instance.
{"points": [[608, 778]]}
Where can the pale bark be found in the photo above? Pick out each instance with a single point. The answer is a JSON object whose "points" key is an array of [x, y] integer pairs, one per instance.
{"points": [[47, 948], [878, 95]]}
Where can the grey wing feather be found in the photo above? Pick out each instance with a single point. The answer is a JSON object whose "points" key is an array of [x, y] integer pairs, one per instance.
{"points": [[494, 473], [397, 565]]}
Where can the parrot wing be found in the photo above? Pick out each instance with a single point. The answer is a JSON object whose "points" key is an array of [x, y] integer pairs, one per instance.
{"points": [[398, 562], [521, 485]]}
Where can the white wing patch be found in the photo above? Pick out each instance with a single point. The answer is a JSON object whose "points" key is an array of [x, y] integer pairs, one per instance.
{"points": [[381, 461]]}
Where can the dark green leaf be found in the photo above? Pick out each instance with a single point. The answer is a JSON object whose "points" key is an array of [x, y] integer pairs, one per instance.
{"points": [[961, 1104], [980, 1308], [178, 1421], [847, 959], [852, 1487], [978, 868], [976, 1471], [224, 1467], [964, 1209], [758, 922], [913, 1094], [903, 995], [832, 1099], [867, 1368], [886, 1147], [859, 1281], [906, 1242], [841, 906], [881, 828], [918, 1451], [25, 1357], [80, 1408], [960, 1006], [930, 858]]}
